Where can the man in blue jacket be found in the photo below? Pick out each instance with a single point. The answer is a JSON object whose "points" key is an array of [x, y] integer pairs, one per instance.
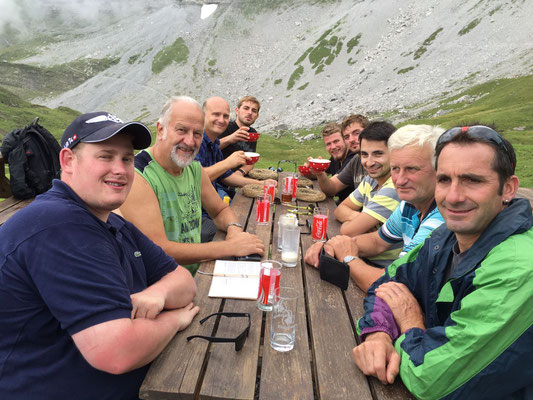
{"points": [[454, 316]]}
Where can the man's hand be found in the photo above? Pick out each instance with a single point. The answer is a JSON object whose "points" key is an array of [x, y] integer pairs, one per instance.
{"points": [[146, 304], [240, 134], [376, 356], [312, 254], [406, 310], [185, 315], [244, 244], [314, 171], [343, 246], [236, 159]]}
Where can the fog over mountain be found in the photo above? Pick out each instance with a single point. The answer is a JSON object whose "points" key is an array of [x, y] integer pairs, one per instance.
{"points": [[307, 61]]}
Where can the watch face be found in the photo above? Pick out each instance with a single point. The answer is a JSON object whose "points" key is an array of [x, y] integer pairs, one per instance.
{"points": [[347, 259]]}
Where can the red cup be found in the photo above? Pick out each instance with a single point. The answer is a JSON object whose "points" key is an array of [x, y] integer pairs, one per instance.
{"points": [[254, 157], [320, 223], [304, 169], [253, 136], [262, 215], [319, 164]]}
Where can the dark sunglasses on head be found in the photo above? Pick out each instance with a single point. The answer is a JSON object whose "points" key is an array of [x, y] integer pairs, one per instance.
{"points": [[480, 132], [239, 340]]}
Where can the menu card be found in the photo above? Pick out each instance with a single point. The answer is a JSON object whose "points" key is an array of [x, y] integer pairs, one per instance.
{"points": [[235, 279]]}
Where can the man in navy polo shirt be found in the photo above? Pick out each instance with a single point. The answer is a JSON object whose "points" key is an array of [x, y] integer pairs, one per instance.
{"points": [[86, 300], [218, 168]]}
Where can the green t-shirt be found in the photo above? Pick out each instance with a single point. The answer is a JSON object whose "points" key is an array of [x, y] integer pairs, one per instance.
{"points": [[179, 199]]}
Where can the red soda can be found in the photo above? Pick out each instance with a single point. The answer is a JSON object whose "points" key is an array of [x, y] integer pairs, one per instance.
{"points": [[320, 223], [263, 210]]}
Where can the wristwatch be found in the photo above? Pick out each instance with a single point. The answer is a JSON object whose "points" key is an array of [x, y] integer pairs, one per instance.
{"points": [[348, 259], [241, 171], [234, 224]]}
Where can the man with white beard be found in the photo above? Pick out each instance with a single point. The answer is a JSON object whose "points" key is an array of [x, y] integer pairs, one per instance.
{"points": [[170, 189]]}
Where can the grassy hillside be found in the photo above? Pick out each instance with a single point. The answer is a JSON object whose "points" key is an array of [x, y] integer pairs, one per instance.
{"points": [[16, 113], [506, 103]]}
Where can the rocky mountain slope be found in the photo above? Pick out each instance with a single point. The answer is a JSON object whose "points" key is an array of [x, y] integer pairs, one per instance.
{"points": [[307, 61]]}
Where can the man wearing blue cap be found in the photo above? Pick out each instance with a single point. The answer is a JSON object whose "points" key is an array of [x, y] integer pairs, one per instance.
{"points": [[86, 300]]}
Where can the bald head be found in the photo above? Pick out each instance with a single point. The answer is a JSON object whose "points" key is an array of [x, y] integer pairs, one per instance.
{"points": [[216, 111]]}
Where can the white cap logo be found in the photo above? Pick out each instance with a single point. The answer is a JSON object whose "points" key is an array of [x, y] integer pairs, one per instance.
{"points": [[102, 118]]}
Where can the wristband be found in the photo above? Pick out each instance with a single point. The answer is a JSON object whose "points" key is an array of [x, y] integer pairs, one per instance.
{"points": [[234, 224], [241, 171]]}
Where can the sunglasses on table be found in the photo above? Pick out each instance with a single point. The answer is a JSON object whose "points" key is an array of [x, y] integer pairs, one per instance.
{"points": [[239, 340], [479, 132]]}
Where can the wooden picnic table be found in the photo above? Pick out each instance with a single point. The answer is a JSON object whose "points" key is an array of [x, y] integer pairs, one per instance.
{"points": [[320, 366]]}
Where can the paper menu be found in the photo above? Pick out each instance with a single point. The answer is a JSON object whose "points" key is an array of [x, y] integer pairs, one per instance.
{"points": [[241, 280]]}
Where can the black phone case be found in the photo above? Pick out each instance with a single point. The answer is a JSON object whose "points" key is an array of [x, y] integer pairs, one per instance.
{"points": [[333, 271], [250, 257]]}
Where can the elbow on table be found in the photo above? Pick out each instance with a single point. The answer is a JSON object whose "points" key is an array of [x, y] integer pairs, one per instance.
{"points": [[111, 361]]}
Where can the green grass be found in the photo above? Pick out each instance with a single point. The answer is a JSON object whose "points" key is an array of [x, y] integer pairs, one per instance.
{"points": [[422, 49], [405, 70], [274, 149], [17, 113], [177, 52], [30, 81], [469, 27]]}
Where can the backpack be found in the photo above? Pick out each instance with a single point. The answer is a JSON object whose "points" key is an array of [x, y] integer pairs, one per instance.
{"points": [[33, 157]]}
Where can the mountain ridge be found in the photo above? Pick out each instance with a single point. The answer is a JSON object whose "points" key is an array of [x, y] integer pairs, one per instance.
{"points": [[307, 62]]}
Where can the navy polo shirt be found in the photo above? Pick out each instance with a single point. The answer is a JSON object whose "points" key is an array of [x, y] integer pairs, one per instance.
{"points": [[63, 270], [209, 154]]}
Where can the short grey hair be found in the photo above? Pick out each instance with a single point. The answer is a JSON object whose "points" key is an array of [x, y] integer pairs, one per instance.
{"points": [[167, 108], [416, 135]]}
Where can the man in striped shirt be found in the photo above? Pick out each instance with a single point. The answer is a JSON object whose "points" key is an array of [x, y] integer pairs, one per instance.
{"points": [[412, 161]]}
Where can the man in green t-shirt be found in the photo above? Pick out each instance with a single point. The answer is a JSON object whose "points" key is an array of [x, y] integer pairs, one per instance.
{"points": [[170, 188]]}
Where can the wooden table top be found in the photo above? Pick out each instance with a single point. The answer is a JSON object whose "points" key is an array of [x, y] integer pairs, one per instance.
{"points": [[320, 366]]}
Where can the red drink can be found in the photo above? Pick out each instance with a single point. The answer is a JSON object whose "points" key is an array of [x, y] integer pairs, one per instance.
{"points": [[269, 190], [320, 225], [263, 210]]}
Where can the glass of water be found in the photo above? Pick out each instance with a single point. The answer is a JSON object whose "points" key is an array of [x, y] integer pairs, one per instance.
{"points": [[283, 323]]}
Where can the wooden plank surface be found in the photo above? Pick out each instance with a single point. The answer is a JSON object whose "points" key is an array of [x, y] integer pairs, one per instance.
{"points": [[287, 375], [178, 370], [10, 206], [331, 333], [230, 374]]}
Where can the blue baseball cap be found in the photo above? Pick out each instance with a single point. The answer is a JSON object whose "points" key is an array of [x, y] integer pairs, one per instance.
{"points": [[99, 126]]}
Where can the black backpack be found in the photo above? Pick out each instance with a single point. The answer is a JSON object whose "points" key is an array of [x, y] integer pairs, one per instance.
{"points": [[33, 156]]}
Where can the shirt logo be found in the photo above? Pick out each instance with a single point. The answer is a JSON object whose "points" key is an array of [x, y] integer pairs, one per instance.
{"points": [[137, 254]]}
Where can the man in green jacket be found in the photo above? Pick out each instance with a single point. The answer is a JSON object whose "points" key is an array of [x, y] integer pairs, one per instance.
{"points": [[454, 316]]}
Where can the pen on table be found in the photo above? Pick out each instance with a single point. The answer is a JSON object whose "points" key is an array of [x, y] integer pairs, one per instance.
{"points": [[229, 275]]}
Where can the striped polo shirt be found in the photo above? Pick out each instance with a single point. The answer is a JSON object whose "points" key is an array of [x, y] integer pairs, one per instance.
{"points": [[404, 225], [379, 203]]}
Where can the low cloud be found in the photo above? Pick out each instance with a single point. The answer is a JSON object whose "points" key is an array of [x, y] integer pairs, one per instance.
{"points": [[26, 17]]}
